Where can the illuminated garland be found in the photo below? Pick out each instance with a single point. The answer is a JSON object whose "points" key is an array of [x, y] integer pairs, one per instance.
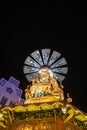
{"points": [[31, 112]]}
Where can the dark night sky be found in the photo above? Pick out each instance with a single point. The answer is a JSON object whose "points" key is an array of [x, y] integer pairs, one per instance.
{"points": [[64, 32]]}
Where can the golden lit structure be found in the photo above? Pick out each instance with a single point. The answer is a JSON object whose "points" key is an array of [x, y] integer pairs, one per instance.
{"points": [[44, 88], [45, 107]]}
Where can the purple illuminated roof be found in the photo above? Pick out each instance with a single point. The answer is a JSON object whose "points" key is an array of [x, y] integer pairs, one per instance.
{"points": [[10, 91]]}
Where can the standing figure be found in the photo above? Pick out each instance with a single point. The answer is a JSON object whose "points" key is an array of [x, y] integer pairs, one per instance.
{"points": [[18, 101], [27, 92]]}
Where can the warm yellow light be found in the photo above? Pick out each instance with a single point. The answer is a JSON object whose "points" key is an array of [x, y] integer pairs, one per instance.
{"points": [[64, 110], [1, 115], [26, 129]]}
